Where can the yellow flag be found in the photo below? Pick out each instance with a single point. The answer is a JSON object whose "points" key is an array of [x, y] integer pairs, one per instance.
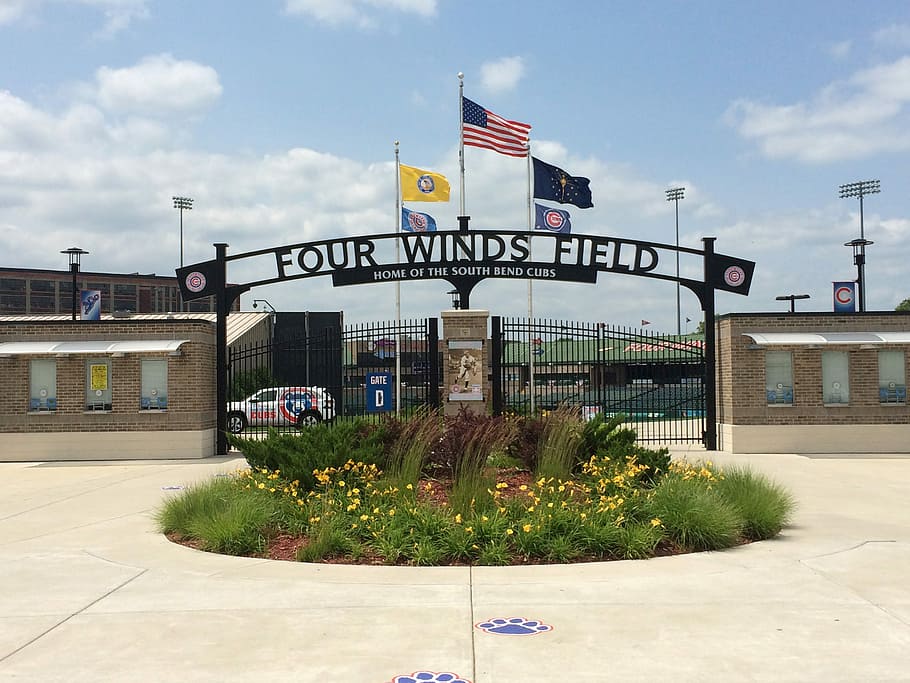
{"points": [[418, 185]]}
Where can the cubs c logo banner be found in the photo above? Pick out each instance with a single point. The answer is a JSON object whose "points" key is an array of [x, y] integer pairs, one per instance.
{"points": [[845, 297]]}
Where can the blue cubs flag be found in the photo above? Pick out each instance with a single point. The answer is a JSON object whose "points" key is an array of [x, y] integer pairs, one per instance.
{"points": [[554, 220], [414, 221], [551, 182]]}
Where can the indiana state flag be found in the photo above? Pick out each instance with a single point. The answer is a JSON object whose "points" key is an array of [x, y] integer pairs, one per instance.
{"points": [[418, 185], [414, 221], [554, 220], [551, 182]]}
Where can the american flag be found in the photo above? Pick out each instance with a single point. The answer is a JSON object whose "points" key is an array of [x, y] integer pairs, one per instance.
{"points": [[483, 128]]}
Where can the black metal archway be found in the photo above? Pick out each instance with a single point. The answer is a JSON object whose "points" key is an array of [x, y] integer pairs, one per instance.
{"points": [[465, 257]]}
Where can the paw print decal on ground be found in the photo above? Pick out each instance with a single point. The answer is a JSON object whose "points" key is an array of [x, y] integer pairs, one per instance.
{"points": [[430, 677], [514, 626]]}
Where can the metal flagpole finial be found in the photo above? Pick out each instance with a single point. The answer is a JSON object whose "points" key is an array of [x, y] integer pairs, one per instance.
{"points": [[460, 76]]}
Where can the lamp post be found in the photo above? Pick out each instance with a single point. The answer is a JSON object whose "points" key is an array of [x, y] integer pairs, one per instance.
{"points": [[181, 203], [75, 254], [792, 299], [860, 189], [674, 195], [859, 258]]}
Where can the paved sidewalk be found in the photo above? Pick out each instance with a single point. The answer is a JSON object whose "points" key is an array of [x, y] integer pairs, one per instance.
{"points": [[91, 592]]}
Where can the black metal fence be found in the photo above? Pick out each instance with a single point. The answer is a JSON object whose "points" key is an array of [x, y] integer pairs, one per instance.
{"points": [[290, 382], [371, 347], [657, 381]]}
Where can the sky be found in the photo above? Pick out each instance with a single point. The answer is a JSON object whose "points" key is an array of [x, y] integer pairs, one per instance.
{"points": [[279, 118]]}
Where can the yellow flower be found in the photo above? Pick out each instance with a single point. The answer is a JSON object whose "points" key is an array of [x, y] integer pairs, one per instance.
{"points": [[458, 518], [656, 521], [526, 528], [261, 485], [509, 532], [523, 487], [469, 529], [341, 483], [484, 518], [409, 487], [583, 515], [392, 512], [502, 485]]}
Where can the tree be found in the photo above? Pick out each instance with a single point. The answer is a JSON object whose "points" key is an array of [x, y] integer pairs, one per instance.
{"points": [[701, 328], [903, 305]]}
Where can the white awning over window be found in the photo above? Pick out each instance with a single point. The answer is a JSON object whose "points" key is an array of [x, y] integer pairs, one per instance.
{"points": [[826, 338], [98, 348]]}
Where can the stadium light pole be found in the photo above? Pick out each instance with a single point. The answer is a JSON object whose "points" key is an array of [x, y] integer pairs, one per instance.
{"points": [[860, 189], [181, 203], [75, 254], [674, 195]]}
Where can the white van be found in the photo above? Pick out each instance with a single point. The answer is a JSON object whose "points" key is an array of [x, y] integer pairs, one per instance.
{"points": [[277, 406]]}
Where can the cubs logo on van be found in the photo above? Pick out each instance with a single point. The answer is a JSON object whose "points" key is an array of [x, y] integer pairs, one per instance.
{"points": [[277, 406]]}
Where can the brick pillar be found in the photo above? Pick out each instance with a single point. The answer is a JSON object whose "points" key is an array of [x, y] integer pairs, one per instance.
{"points": [[465, 361]]}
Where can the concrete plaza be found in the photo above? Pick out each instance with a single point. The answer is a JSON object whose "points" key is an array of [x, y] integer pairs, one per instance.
{"points": [[91, 592]]}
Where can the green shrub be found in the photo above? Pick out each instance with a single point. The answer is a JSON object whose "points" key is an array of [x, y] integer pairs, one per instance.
{"points": [[314, 448], [694, 515], [765, 506]]}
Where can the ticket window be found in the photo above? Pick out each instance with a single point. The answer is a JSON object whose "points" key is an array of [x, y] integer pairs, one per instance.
{"points": [[43, 385], [153, 384]]}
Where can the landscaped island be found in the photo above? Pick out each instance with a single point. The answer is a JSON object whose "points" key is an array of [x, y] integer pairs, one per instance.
{"points": [[471, 489]]}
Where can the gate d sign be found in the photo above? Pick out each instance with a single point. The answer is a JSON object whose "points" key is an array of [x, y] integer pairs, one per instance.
{"points": [[379, 391]]}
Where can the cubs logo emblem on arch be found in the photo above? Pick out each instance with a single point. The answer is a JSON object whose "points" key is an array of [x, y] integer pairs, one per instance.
{"points": [[195, 282], [843, 295], [734, 276]]}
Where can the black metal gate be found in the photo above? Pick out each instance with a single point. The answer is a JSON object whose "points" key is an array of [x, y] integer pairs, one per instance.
{"points": [[323, 376], [657, 381]]}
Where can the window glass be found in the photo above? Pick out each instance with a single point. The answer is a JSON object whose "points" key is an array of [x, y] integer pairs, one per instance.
{"points": [[154, 384], [98, 384], [43, 384], [779, 377], [892, 383], [835, 377]]}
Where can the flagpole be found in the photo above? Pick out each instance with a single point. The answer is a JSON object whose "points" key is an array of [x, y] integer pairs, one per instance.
{"points": [[530, 285], [461, 140], [398, 283]]}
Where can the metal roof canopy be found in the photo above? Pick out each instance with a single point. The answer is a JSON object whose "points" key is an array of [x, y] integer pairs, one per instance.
{"points": [[63, 348], [826, 338]]}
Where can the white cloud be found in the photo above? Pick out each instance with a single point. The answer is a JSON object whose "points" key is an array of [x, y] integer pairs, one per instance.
{"points": [[11, 10], [158, 84], [502, 75], [360, 13], [118, 14], [852, 119], [893, 36]]}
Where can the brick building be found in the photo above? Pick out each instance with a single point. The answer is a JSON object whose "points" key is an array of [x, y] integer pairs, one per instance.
{"points": [[119, 388], [813, 383], [31, 290]]}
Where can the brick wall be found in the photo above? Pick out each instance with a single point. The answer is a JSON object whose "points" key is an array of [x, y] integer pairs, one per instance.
{"points": [[741, 370], [191, 378]]}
